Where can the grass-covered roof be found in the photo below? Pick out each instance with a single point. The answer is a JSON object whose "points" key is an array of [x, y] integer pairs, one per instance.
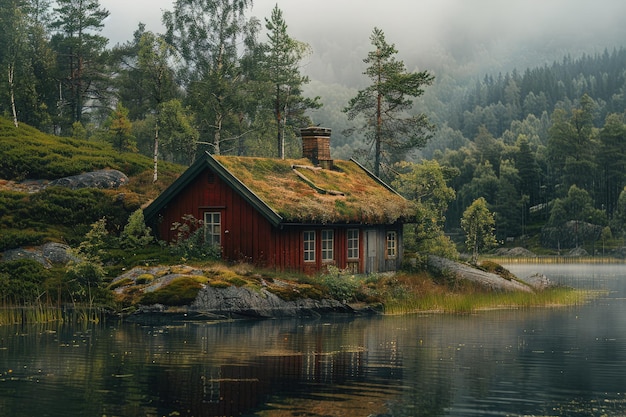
{"points": [[299, 192]]}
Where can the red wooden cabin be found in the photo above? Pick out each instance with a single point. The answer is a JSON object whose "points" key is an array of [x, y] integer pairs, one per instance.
{"points": [[298, 215]]}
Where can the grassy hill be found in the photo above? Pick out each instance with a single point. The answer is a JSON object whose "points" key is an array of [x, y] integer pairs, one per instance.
{"points": [[60, 214]]}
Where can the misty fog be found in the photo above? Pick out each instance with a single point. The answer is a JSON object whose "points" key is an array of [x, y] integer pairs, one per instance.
{"points": [[457, 37]]}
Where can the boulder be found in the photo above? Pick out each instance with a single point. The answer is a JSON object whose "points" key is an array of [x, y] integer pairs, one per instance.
{"points": [[49, 254], [244, 302], [517, 252], [463, 271], [538, 281], [106, 178]]}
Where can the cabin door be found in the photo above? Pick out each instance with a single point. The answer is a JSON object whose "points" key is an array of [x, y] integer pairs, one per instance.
{"points": [[371, 251]]}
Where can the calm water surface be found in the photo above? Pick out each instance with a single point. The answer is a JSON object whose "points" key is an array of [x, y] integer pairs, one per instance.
{"points": [[540, 362]]}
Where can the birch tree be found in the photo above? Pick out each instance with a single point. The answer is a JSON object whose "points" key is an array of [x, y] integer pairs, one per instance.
{"points": [[478, 224]]}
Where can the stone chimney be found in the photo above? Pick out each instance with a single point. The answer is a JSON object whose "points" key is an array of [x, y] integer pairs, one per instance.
{"points": [[316, 145]]}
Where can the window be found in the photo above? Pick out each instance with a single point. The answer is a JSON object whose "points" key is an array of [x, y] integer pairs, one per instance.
{"points": [[213, 228], [353, 243], [392, 244], [328, 240], [309, 246]]}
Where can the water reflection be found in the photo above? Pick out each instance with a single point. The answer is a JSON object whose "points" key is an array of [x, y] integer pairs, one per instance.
{"points": [[568, 361]]}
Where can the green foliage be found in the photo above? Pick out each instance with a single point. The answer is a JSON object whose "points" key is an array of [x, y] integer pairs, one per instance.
{"points": [[87, 273], [15, 238], [136, 234], [490, 266], [279, 74], [120, 130], [209, 38], [29, 153], [22, 281], [96, 241], [77, 40], [144, 279], [58, 213], [578, 206], [478, 225], [189, 242], [177, 132], [383, 104], [341, 284], [426, 185], [121, 283]]}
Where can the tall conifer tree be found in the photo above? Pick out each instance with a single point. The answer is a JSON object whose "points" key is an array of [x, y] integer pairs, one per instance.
{"points": [[80, 50], [280, 66], [384, 104]]}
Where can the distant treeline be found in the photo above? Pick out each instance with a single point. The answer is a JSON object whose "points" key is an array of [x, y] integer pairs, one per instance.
{"points": [[497, 101], [545, 149]]}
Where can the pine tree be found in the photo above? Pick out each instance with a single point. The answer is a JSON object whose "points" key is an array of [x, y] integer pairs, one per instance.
{"points": [[120, 130], [280, 67], [80, 53], [384, 104]]}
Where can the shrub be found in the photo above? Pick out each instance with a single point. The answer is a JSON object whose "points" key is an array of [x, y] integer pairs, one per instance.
{"points": [[341, 285], [21, 281], [489, 266], [237, 281], [136, 234], [190, 244], [10, 239]]}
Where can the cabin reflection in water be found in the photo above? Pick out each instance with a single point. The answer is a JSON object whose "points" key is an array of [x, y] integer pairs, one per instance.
{"points": [[233, 389]]}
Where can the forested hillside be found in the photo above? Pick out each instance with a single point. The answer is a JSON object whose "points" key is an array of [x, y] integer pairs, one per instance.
{"points": [[545, 146]]}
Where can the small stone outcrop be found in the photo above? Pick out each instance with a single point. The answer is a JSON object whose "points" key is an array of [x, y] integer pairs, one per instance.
{"points": [[516, 252], [570, 235], [538, 281], [47, 255], [486, 279], [219, 301], [106, 179], [245, 302]]}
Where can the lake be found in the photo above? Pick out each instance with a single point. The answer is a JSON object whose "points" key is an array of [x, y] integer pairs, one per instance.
{"points": [[535, 362]]}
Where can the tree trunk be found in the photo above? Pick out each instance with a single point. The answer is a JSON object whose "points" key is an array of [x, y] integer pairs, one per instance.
{"points": [[378, 138], [156, 151], [217, 137], [279, 140], [12, 93]]}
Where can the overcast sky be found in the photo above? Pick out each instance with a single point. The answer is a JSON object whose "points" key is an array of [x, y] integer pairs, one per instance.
{"points": [[424, 31]]}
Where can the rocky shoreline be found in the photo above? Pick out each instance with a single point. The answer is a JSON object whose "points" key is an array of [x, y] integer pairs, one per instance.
{"points": [[230, 302]]}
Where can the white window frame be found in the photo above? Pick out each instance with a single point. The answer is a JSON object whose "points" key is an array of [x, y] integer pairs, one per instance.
{"points": [[353, 236], [308, 238], [328, 245], [213, 228], [392, 244]]}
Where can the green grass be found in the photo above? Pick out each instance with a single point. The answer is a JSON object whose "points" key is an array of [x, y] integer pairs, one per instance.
{"points": [[447, 302]]}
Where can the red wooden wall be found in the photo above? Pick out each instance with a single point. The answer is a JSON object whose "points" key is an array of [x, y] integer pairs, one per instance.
{"points": [[247, 236]]}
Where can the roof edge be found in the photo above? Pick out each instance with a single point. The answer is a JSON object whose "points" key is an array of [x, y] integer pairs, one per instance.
{"points": [[191, 173], [266, 211], [170, 192], [375, 178]]}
